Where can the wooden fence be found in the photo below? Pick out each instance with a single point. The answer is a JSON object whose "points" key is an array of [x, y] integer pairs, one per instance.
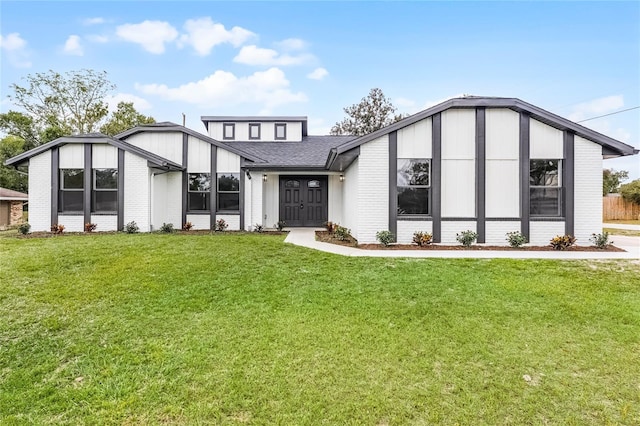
{"points": [[616, 208]]}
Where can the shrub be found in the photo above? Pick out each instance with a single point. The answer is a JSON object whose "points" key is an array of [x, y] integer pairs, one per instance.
{"points": [[330, 226], [384, 237], [280, 225], [90, 227], [422, 238], [562, 242], [187, 226], [258, 228], [221, 225], [24, 228], [131, 227], [57, 229], [516, 239], [167, 228], [631, 191], [342, 233], [601, 240], [466, 238]]}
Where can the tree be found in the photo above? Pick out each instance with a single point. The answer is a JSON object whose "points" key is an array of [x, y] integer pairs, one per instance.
{"points": [[11, 178], [631, 191], [611, 180], [73, 102], [123, 118], [372, 113]]}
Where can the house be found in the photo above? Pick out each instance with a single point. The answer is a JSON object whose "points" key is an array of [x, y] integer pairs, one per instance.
{"points": [[11, 203], [491, 165]]}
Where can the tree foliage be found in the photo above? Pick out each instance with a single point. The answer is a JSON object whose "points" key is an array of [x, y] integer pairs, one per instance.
{"points": [[10, 178], [124, 118], [612, 179], [631, 191], [373, 112]]}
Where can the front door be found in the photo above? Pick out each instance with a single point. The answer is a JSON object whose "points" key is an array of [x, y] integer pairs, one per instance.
{"points": [[303, 200]]}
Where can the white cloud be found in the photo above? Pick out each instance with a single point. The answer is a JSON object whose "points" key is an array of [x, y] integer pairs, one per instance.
{"points": [[596, 107], [291, 44], [96, 38], [73, 46], [93, 21], [139, 103], [16, 50], [268, 89], [151, 35], [203, 35], [318, 74], [254, 55]]}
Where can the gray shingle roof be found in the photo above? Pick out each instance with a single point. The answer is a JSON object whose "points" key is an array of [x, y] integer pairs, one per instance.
{"points": [[312, 151]]}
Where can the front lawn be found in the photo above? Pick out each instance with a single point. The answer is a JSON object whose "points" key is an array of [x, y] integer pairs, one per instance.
{"points": [[243, 329]]}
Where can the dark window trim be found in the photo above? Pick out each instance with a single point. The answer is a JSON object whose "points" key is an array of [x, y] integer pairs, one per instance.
{"points": [[224, 131], [189, 191], [417, 218], [61, 189], [275, 131], [259, 131], [239, 191], [94, 189], [429, 203], [560, 187]]}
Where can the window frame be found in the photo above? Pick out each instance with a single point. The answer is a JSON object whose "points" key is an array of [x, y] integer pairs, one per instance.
{"points": [[254, 125], [275, 131], [206, 193], [218, 191], [232, 126], [62, 190], [413, 186], [95, 189], [559, 186]]}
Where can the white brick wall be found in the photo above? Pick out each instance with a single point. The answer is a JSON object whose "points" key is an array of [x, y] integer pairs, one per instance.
{"points": [[174, 199], [72, 223], [588, 190], [373, 191], [136, 191], [40, 192], [256, 201], [199, 221], [496, 232], [350, 198], [407, 228], [449, 229], [105, 222], [233, 220], [540, 233]]}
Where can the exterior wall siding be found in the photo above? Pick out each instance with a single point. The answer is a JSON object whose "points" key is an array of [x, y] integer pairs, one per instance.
{"points": [[105, 222], [587, 190], [198, 156], [40, 192], [267, 131], [71, 222], [271, 199], [406, 228], [335, 199], [502, 187], [71, 156], [233, 220], [350, 215], [451, 228], [227, 162], [136, 194], [199, 221], [545, 141], [373, 191], [165, 144], [543, 232], [496, 231], [254, 203], [104, 156], [415, 141]]}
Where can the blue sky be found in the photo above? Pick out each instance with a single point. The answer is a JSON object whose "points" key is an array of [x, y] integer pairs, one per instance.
{"points": [[576, 59]]}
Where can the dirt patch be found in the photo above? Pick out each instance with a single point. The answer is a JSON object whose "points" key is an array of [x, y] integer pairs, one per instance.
{"points": [[325, 237]]}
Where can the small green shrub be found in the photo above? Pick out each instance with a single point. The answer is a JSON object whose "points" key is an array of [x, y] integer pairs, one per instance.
{"points": [[422, 238], [187, 226], [57, 229], [258, 228], [24, 228], [601, 240], [384, 237], [467, 238], [167, 228], [342, 233], [131, 227], [90, 227], [280, 225], [562, 242], [221, 225], [516, 239]]}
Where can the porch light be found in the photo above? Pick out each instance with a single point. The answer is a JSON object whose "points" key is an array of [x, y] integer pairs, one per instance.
{"points": [[341, 178], [264, 178]]}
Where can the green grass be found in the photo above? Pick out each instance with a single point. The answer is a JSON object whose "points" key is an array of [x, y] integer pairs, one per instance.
{"points": [[231, 329], [626, 232]]}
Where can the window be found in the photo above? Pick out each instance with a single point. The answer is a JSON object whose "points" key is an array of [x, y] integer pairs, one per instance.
{"points": [[281, 131], [228, 191], [104, 197], [199, 191], [228, 131], [292, 184], [254, 130], [414, 186], [545, 188], [313, 184], [71, 190]]}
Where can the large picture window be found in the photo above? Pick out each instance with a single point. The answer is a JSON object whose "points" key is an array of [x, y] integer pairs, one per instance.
{"points": [[545, 188], [71, 190], [414, 186], [104, 197], [229, 191], [199, 191]]}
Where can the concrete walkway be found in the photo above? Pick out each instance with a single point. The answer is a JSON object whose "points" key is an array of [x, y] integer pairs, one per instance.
{"points": [[305, 237]]}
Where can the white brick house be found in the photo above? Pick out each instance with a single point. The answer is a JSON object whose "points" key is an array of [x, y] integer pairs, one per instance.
{"points": [[492, 165]]}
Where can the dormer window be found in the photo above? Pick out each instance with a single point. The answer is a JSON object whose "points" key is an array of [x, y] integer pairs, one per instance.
{"points": [[254, 131], [228, 131], [281, 131]]}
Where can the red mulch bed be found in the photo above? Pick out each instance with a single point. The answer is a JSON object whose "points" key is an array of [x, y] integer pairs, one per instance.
{"points": [[325, 237]]}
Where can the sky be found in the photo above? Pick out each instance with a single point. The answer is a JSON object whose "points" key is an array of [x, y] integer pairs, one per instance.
{"points": [[577, 59]]}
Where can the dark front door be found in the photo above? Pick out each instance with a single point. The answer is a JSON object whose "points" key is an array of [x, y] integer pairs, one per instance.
{"points": [[303, 200]]}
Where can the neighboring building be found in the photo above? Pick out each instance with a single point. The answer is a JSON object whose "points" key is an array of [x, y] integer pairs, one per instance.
{"points": [[11, 203], [492, 165]]}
